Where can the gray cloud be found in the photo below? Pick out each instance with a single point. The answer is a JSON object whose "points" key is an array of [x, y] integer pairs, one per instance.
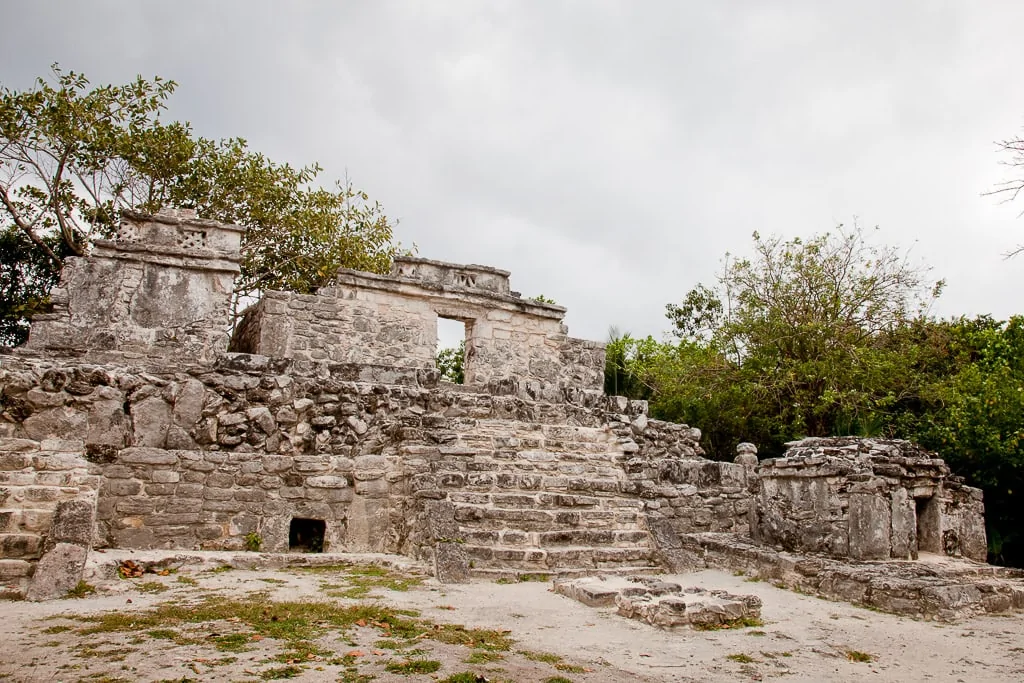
{"points": [[607, 153]]}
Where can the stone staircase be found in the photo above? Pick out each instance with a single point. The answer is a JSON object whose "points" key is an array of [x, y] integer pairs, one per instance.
{"points": [[536, 499], [34, 478]]}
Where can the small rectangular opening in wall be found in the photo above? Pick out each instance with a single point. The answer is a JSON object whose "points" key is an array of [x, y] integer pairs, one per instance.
{"points": [[929, 531], [306, 535], [451, 349]]}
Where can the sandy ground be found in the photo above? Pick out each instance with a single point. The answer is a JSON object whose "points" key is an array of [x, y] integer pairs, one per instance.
{"points": [[802, 639]]}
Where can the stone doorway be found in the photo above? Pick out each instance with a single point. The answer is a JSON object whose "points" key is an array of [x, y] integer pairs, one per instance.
{"points": [[306, 535], [929, 524]]}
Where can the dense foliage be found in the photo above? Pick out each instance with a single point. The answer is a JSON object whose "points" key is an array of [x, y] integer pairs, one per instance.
{"points": [[451, 363], [831, 337], [72, 157]]}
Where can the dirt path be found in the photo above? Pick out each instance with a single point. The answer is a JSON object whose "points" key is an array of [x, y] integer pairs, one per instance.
{"points": [[347, 624]]}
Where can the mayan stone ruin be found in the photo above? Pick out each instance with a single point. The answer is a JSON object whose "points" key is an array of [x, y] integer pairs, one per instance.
{"points": [[134, 419]]}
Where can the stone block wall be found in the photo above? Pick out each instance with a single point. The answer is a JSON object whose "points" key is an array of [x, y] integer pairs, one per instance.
{"points": [[35, 477], [392, 320], [161, 288], [200, 456], [683, 490], [867, 499]]}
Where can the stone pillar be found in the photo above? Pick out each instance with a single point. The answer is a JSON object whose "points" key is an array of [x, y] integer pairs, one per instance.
{"points": [[161, 288]]}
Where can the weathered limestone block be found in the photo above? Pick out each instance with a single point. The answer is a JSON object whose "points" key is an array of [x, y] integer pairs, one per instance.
{"points": [[151, 418], [160, 289], [451, 563], [67, 546], [870, 526], [662, 604]]}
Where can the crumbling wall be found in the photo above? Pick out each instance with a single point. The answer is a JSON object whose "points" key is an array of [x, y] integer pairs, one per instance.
{"points": [[513, 345], [161, 288], [36, 477], [867, 499]]}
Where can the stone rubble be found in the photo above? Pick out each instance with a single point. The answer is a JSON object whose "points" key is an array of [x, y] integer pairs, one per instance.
{"points": [[663, 604]]}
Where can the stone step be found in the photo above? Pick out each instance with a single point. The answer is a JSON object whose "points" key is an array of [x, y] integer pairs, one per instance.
{"points": [[572, 557], [544, 501], [561, 537], [594, 537], [488, 518], [613, 484], [524, 575]]}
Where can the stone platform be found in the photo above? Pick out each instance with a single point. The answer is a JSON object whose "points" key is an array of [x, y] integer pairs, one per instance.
{"points": [[933, 587], [661, 603]]}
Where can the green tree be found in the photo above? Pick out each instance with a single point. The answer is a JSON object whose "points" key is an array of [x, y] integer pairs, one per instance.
{"points": [[451, 363], [26, 277], [73, 156], [802, 321], [969, 407]]}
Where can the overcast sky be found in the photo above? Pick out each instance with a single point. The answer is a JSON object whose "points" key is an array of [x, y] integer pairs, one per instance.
{"points": [[607, 153]]}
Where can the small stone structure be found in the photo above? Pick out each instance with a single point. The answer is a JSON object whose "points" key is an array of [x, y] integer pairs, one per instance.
{"points": [[162, 289], [513, 345], [328, 428], [868, 499]]}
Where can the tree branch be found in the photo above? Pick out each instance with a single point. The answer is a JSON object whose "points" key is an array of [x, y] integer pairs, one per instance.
{"points": [[26, 228]]}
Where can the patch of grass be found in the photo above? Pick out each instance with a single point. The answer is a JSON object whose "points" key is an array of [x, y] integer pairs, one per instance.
{"points": [[557, 679], [151, 587], [570, 668], [220, 570], [741, 658], [504, 580], [281, 672], [757, 633], [277, 582], [743, 622], [301, 651], [858, 656], [232, 642], [186, 581], [391, 644], [540, 578], [293, 622], [162, 634], [56, 629], [253, 542], [361, 579], [785, 654], [413, 666], [352, 675], [545, 657], [464, 677], [113, 654], [483, 657], [753, 579], [483, 639], [81, 590]]}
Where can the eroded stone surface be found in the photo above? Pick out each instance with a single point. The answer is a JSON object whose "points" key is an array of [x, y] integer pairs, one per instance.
{"points": [[868, 499], [662, 603]]}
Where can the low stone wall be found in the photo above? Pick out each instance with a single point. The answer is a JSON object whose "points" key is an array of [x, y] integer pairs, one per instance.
{"points": [[947, 591]]}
